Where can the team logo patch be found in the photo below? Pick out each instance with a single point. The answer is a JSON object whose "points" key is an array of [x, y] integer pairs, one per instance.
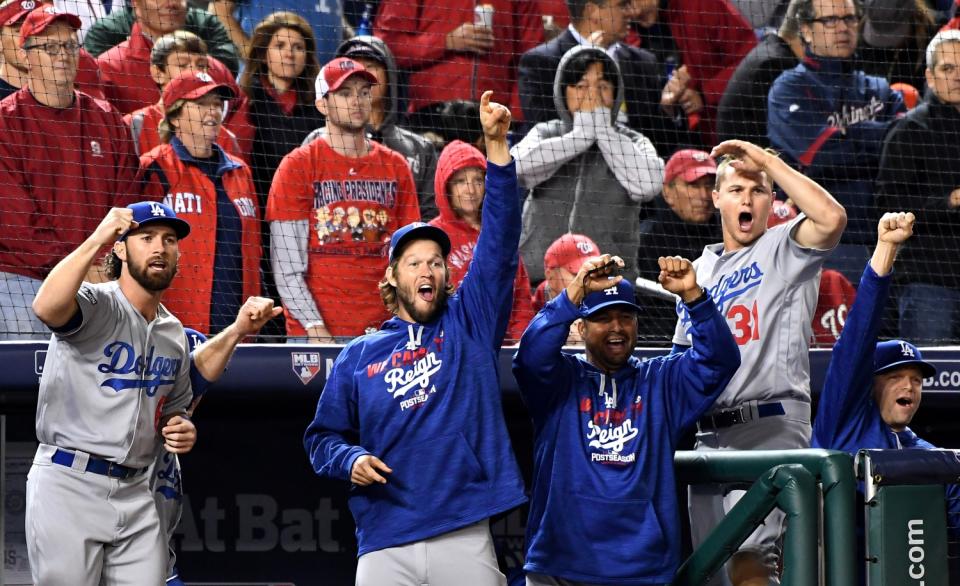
{"points": [[306, 365], [584, 247]]}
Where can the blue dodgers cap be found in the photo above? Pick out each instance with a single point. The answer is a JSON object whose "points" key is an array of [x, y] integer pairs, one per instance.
{"points": [[145, 212], [620, 294], [418, 231], [894, 354]]}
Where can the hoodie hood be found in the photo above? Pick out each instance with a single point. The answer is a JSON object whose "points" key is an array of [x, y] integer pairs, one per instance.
{"points": [[559, 98], [457, 155], [374, 48]]}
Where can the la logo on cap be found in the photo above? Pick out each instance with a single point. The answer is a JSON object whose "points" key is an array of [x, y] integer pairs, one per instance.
{"points": [[157, 210], [906, 350], [610, 291], [28, 5], [584, 247]]}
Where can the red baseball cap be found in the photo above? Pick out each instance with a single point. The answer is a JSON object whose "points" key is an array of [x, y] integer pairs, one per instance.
{"points": [[569, 251], [780, 213], [43, 16], [191, 85], [338, 71], [690, 164], [13, 10]]}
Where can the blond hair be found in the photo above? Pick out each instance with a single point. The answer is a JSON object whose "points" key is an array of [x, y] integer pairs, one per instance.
{"points": [[725, 162], [165, 128]]}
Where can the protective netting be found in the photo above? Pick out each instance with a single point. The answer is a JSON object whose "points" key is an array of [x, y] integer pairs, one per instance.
{"points": [[616, 105]]}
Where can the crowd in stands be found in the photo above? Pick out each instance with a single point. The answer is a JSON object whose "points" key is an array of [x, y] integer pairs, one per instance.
{"points": [[296, 137]]}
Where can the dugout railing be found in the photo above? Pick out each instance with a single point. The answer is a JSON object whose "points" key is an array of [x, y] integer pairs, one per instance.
{"points": [[790, 480]]}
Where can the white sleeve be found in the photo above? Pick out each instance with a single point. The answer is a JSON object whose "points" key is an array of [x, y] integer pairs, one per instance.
{"points": [[288, 258], [539, 156], [634, 161]]}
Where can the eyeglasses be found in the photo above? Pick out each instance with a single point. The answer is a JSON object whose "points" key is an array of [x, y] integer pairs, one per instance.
{"points": [[53, 49], [851, 20]]}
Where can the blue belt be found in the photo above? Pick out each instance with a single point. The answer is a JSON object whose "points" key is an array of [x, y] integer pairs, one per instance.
{"points": [[97, 465], [731, 417]]}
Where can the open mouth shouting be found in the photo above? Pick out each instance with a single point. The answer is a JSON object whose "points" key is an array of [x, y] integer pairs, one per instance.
{"points": [[157, 264], [426, 292], [905, 401], [617, 343], [745, 221]]}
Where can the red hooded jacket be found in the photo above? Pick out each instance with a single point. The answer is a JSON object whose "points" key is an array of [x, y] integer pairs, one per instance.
{"points": [[463, 237]]}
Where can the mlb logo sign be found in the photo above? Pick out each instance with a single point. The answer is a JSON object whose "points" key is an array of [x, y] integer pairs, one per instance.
{"points": [[306, 365]]}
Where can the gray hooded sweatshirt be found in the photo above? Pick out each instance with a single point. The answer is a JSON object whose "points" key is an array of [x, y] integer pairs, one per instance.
{"points": [[417, 150], [586, 173]]}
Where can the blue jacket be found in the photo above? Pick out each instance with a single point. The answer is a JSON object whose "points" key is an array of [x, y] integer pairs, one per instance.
{"points": [[847, 418], [425, 399], [829, 120], [603, 507]]}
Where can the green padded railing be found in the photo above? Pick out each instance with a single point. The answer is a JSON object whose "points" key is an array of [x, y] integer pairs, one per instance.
{"points": [[832, 469]]}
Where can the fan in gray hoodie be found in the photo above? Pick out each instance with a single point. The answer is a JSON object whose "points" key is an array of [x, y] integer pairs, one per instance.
{"points": [[419, 152], [586, 172]]}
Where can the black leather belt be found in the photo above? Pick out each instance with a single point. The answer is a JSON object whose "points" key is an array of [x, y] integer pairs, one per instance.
{"points": [[97, 465], [731, 417]]}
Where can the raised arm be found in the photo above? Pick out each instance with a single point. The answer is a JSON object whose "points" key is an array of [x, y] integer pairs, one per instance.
{"points": [[825, 217], [540, 368], [56, 301], [211, 358], [486, 291], [846, 393], [696, 377]]}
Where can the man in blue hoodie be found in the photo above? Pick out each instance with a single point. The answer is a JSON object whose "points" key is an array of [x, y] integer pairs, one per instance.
{"points": [[603, 507], [411, 414], [872, 390]]}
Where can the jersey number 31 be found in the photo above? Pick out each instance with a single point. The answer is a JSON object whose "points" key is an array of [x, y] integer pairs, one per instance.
{"points": [[746, 323]]}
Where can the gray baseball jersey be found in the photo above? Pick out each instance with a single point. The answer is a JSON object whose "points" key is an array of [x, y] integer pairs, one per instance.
{"points": [[107, 383], [768, 293]]}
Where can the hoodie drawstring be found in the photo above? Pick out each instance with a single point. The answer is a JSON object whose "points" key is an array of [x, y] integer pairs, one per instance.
{"points": [[414, 340], [609, 401]]}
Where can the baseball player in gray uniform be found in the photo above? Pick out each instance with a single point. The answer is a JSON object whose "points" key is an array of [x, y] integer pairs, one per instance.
{"points": [[116, 383], [765, 282]]}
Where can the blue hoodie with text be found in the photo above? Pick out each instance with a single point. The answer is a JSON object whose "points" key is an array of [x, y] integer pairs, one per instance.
{"points": [[603, 507], [425, 399]]}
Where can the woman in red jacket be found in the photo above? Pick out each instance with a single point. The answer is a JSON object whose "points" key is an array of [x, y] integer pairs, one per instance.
{"points": [[214, 192]]}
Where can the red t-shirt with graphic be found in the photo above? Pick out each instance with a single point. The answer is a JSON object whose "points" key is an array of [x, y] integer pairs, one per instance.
{"points": [[353, 205]]}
